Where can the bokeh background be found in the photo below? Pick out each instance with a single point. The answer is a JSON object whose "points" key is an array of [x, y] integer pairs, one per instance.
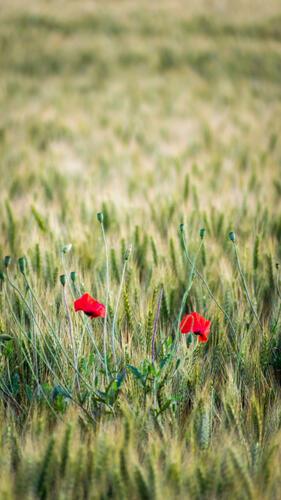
{"points": [[119, 101]]}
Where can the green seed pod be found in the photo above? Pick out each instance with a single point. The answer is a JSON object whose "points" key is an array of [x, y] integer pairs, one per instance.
{"points": [[62, 279], [73, 276], [181, 228], [67, 248], [22, 265], [7, 260], [232, 236], [127, 252], [202, 233], [2, 276], [100, 217]]}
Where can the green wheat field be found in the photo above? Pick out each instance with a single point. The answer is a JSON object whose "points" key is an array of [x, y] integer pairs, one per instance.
{"points": [[164, 119]]}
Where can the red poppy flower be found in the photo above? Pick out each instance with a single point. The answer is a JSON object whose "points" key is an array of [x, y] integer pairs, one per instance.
{"points": [[196, 324], [89, 306]]}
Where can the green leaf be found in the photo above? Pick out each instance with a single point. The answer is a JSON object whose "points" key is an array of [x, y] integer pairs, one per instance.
{"points": [[59, 391], [136, 372], [163, 362], [109, 387], [83, 397], [102, 394], [164, 407], [177, 364], [120, 379]]}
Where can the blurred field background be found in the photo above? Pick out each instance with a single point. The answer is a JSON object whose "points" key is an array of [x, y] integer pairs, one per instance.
{"points": [[156, 114]]}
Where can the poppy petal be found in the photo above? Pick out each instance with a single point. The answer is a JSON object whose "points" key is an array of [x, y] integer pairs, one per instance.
{"points": [[197, 324], [202, 337], [89, 306], [186, 324], [207, 327]]}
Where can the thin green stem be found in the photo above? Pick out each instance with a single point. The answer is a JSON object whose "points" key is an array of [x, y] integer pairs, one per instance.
{"points": [[277, 283], [58, 342], [155, 327], [211, 411], [55, 336], [277, 318], [190, 280], [279, 295], [245, 286], [71, 338], [38, 303], [207, 287], [80, 314], [106, 306], [186, 357], [81, 341], [23, 351], [240, 352], [26, 336], [117, 305], [47, 364], [50, 349], [86, 323], [94, 342], [66, 274], [34, 342], [189, 285]]}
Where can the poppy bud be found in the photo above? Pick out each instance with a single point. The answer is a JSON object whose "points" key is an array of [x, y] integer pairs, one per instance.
{"points": [[62, 279], [67, 248], [7, 260], [202, 233], [127, 252], [73, 276], [22, 265], [232, 236], [100, 217], [277, 265], [2, 276], [247, 326], [181, 228]]}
